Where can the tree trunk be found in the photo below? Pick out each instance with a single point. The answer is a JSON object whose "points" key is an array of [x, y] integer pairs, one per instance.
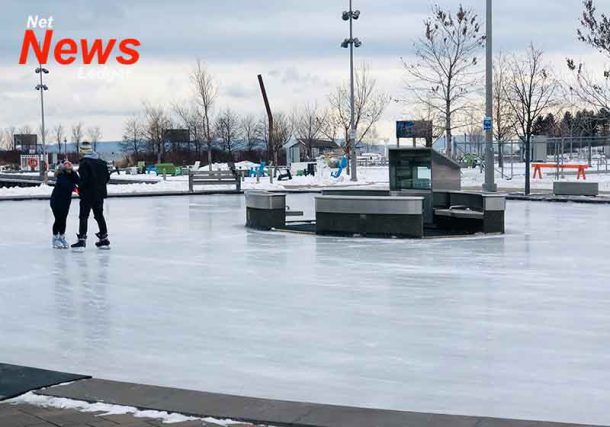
{"points": [[500, 154], [528, 156], [449, 148], [210, 157]]}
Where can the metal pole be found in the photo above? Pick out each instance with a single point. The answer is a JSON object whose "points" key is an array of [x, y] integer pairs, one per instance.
{"points": [[352, 133], [43, 170], [489, 185]]}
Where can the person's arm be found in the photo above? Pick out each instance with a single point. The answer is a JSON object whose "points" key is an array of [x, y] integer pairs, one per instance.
{"points": [[74, 178], [85, 175]]}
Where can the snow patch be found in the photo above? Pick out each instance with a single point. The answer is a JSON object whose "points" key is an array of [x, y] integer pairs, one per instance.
{"points": [[106, 409]]}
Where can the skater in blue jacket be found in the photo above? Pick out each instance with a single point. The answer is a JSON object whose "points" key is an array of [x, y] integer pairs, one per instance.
{"points": [[66, 180]]}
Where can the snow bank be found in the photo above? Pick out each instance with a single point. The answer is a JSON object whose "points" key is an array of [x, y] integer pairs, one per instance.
{"points": [[106, 409]]}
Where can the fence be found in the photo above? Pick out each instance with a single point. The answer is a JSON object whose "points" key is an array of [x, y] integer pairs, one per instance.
{"points": [[509, 155]]}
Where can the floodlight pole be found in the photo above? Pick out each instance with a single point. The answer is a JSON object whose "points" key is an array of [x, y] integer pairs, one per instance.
{"points": [[41, 87], [352, 124], [489, 185]]}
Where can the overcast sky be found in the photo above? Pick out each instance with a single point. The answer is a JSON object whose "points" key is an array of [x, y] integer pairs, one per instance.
{"points": [[294, 44]]}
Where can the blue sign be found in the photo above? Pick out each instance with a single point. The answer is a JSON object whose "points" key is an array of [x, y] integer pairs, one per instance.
{"points": [[487, 124], [404, 129]]}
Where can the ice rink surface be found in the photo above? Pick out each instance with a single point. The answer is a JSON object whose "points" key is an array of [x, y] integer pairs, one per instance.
{"points": [[516, 326]]}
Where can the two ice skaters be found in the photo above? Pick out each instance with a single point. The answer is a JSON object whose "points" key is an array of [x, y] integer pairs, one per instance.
{"points": [[92, 178]]}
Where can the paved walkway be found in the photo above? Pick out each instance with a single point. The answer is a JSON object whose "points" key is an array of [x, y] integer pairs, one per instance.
{"points": [[25, 415]]}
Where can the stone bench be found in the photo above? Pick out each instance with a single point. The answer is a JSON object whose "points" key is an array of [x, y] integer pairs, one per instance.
{"points": [[370, 216], [264, 210], [225, 177], [569, 188], [469, 212]]}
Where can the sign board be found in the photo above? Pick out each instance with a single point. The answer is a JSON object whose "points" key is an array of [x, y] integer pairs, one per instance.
{"points": [[26, 143], [176, 136], [352, 134], [487, 124], [414, 129]]}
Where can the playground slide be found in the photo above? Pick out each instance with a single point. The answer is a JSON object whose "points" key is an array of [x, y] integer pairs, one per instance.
{"points": [[342, 165]]}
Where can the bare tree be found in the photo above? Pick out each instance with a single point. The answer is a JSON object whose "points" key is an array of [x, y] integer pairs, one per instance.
{"points": [[251, 132], [189, 116], [206, 92], [282, 132], [155, 122], [5, 140], [58, 134], [308, 125], [446, 71], [530, 92], [503, 115], [77, 134], [594, 31], [95, 134], [133, 136], [227, 128], [369, 104]]}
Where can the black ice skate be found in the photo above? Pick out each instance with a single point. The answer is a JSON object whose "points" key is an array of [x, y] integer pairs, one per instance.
{"points": [[103, 242], [81, 244]]}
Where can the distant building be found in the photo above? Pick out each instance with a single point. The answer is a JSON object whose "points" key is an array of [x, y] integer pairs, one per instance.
{"points": [[297, 149]]}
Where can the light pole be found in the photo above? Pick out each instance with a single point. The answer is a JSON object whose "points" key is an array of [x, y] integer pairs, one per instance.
{"points": [[42, 87], [489, 185], [352, 42]]}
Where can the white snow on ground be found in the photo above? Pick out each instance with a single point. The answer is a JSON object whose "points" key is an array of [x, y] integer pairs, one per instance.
{"points": [[474, 178], [106, 409], [367, 176]]}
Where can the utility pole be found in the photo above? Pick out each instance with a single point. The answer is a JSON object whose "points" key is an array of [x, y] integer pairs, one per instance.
{"points": [[352, 42], [42, 87], [489, 185]]}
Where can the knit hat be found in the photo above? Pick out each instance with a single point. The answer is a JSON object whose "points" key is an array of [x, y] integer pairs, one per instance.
{"points": [[85, 148]]}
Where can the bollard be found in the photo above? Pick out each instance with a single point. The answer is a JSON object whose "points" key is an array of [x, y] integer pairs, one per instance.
{"points": [[258, 175], [270, 172], [164, 175]]}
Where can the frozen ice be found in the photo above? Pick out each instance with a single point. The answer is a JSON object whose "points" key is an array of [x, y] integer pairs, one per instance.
{"points": [[510, 326]]}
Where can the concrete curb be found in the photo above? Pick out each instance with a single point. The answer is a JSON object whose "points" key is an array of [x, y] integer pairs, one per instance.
{"points": [[265, 411], [126, 195]]}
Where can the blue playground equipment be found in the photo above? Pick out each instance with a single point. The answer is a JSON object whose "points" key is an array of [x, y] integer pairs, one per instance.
{"points": [[259, 170], [342, 165]]}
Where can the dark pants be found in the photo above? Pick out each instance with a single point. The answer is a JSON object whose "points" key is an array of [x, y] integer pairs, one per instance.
{"points": [[86, 205], [61, 215]]}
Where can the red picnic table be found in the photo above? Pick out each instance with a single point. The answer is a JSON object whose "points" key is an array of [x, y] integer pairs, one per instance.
{"points": [[581, 168]]}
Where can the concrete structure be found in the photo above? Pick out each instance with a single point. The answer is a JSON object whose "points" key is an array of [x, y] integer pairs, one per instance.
{"points": [[570, 188], [264, 210], [370, 216], [422, 169]]}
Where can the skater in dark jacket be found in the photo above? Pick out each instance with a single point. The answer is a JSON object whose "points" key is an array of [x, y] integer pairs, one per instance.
{"points": [[92, 190], [66, 180]]}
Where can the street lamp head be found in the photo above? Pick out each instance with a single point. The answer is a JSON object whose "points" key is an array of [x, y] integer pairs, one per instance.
{"points": [[345, 43], [357, 42], [41, 70], [345, 15], [43, 87], [355, 14]]}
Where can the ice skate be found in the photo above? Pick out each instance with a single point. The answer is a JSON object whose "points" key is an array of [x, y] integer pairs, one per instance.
{"points": [[63, 242], [103, 242], [57, 242], [80, 245]]}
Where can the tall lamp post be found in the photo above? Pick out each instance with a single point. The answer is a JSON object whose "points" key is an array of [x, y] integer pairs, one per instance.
{"points": [[489, 185], [352, 42], [42, 87]]}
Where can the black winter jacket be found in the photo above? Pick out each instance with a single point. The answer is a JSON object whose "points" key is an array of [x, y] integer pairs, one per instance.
{"points": [[61, 197], [94, 176]]}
